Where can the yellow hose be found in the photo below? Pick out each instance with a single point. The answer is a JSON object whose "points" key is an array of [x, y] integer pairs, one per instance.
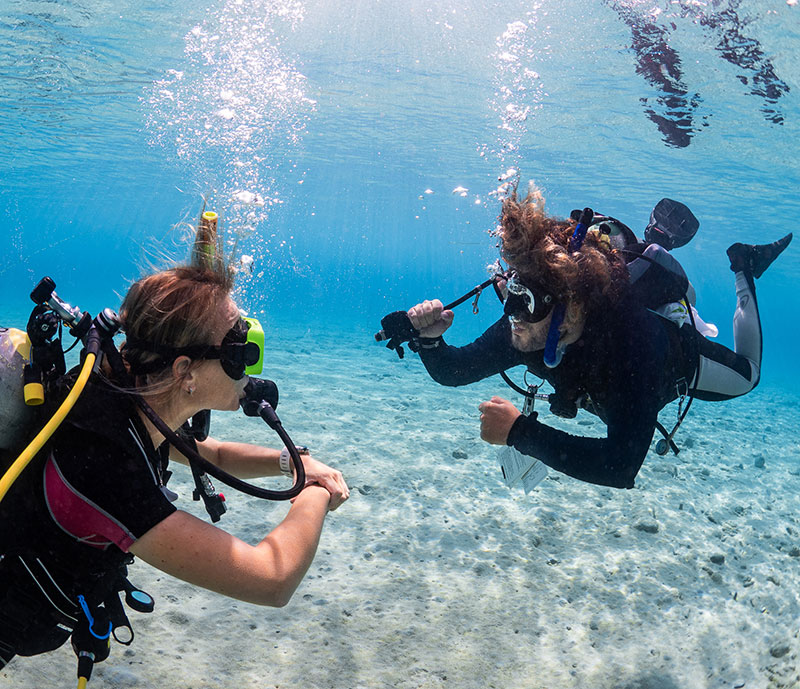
{"points": [[44, 435], [82, 681]]}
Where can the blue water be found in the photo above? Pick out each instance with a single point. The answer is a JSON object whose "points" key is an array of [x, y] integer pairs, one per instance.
{"points": [[118, 119], [331, 137]]}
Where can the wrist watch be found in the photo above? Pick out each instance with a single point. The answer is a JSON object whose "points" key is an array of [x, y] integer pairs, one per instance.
{"points": [[285, 459]]}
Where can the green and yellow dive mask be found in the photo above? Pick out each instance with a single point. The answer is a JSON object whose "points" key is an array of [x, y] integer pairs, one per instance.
{"points": [[240, 354]]}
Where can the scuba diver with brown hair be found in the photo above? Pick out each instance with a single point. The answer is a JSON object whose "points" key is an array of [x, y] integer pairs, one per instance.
{"points": [[96, 494], [582, 312]]}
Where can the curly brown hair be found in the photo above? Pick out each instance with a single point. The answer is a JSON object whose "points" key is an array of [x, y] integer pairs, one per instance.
{"points": [[535, 245]]}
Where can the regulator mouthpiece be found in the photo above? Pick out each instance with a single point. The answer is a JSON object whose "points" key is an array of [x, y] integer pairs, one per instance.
{"points": [[258, 390]]}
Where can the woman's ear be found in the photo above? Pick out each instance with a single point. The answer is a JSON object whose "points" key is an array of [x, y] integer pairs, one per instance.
{"points": [[182, 370]]}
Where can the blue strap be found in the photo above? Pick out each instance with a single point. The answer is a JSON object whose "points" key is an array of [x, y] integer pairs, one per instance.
{"points": [[90, 619], [552, 354]]}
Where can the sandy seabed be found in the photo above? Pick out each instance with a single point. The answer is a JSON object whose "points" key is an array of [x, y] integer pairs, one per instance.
{"points": [[434, 574]]}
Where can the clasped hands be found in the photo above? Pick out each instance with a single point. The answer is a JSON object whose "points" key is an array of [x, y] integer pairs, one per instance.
{"points": [[329, 478]]}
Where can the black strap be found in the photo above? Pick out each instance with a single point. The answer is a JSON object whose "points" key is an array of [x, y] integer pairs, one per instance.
{"points": [[183, 447], [203, 465], [204, 490], [513, 385]]}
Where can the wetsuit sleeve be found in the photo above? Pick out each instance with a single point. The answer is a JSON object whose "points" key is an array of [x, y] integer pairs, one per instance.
{"points": [[629, 378], [490, 354], [611, 461]]}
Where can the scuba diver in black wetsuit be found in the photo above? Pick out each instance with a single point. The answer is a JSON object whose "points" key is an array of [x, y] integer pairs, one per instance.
{"points": [[576, 318], [95, 494]]}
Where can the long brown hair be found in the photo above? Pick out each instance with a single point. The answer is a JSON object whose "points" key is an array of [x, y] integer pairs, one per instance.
{"points": [[176, 308], [535, 245]]}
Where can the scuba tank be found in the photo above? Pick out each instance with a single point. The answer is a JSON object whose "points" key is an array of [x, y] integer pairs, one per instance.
{"points": [[31, 360], [16, 416]]}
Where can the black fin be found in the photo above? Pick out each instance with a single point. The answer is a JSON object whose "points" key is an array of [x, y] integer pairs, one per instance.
{"points": [[754, 259]]}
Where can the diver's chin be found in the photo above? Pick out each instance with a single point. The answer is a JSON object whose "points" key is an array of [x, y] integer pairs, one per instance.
{"points": [[522, 339], [521, 345]]}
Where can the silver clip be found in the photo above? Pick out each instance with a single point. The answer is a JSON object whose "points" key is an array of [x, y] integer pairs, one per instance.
{"points": [[527, 405], [475, 302], [682, 389]]}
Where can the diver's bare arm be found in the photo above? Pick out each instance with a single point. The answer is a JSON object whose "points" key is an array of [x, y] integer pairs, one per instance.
{"points": [[239, 459], [266, 574], [251, 461]]}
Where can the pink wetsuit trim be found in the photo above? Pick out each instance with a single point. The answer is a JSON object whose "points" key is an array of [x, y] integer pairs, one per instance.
{"points": [[80, 517]]}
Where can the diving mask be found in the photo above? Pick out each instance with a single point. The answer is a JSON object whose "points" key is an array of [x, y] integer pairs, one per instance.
{"points": [[241, 352], [527, 304]]}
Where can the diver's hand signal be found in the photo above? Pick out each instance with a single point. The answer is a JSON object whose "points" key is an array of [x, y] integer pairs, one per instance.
{"points": [[430, 318]]}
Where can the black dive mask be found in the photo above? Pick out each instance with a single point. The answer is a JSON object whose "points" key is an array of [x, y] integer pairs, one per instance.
{"points": [[241, 351], [527, 304]]}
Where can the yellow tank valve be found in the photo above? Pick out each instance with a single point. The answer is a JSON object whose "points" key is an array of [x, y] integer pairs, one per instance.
{"points": [[33, 389], [34, 394]]}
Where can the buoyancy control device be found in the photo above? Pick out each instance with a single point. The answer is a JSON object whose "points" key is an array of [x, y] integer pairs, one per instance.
{"points": [[32, 369]]}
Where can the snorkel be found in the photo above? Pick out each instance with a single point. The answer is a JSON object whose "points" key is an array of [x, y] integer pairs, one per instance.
{"points": [[204, 251], [552, 352]]}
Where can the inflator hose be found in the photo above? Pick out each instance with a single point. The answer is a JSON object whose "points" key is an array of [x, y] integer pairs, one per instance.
{"points": [[44, 435]]}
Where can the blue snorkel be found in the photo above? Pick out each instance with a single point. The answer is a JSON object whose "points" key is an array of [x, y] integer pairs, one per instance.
{"points": [[552, 352]]}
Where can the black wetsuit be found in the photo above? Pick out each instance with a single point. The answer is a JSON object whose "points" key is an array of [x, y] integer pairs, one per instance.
{"points": [[68, 521], [627, 361]]}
